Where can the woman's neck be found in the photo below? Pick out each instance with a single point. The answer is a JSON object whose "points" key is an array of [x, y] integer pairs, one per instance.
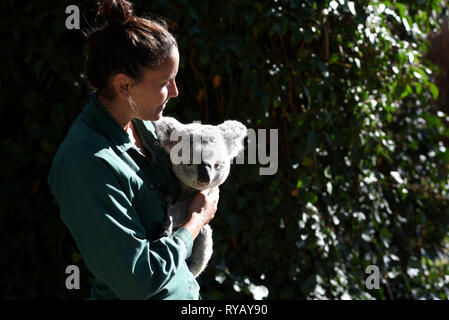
{"points": [[119, 111]]}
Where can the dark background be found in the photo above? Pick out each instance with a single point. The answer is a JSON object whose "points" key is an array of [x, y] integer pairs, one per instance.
{"points": [[363, 161]]}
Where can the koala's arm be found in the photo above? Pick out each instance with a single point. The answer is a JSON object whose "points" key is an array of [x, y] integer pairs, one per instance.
{"points": [[178, 212], [201, 251], [175, 216]]}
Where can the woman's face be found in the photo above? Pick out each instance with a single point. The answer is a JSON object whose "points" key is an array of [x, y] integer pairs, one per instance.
{"points": [[149, 97]]}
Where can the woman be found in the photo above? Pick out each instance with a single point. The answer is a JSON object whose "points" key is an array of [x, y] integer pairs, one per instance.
{"points": [[109, 175]]}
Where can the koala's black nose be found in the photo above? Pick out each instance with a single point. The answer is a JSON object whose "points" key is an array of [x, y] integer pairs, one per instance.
{"points": [[204, 172]]}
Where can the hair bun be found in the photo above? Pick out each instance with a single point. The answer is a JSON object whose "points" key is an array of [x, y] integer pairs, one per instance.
{"points": [[115, 12]]}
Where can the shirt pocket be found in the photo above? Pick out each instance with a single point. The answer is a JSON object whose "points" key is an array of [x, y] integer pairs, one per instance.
{"points": [[151, 210]]}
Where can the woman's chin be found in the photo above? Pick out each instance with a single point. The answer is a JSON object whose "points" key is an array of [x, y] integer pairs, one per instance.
{"points": [[159, 111], [157, 117], [157, 114]]}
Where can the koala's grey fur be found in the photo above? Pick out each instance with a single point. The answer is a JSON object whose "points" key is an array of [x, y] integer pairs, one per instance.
{"points": [[217, 146]]}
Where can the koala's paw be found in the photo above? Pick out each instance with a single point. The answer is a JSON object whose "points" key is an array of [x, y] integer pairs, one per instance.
{"points": [[167, 226]]}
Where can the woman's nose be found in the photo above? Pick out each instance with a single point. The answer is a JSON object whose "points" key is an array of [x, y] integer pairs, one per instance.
{"points": [[173, 89]]}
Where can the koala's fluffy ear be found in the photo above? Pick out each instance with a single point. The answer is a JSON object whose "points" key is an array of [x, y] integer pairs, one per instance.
{"points": [[164, 127], [234, 133]]}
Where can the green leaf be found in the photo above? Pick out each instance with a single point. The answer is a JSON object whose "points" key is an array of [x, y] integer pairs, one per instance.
{"points": [[311, 197], [401, 8], [434, 90], [385, 234]]}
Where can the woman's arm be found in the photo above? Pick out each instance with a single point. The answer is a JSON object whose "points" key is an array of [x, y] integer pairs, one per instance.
{"points": [[202, 209], [109, 234]]}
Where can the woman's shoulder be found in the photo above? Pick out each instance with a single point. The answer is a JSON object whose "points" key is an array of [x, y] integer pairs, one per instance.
{"points": [[83, 143]]}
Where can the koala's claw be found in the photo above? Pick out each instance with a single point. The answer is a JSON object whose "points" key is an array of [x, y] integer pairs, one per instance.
{"points": [[167, 226]]}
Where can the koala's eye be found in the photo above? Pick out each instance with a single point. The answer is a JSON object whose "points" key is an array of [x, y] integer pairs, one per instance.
{"points": [[217, 164]]}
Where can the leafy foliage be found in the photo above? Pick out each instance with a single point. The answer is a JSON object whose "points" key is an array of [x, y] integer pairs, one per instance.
{"points": [[363, 166]]}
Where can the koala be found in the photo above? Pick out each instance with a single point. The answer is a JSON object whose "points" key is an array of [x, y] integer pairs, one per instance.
{"points": [[201, 157]]}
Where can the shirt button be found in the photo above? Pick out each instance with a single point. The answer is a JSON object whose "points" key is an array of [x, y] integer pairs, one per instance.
{"points": [[157, 143]]}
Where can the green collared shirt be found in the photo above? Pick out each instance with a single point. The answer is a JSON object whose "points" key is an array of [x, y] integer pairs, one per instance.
{"points": [[111, 198]]}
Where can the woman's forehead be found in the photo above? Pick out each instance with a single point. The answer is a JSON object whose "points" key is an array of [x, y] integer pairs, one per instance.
{"points": [[167, 70]]}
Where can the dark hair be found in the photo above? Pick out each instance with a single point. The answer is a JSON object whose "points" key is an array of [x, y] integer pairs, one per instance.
{"points": [[124, 44]]}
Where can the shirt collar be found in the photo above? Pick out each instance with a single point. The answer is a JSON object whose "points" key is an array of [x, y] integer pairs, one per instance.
{"points": [[97, 112]]}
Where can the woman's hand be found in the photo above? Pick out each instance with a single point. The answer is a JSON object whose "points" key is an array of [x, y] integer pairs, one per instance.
{"points": [[202, 209]]}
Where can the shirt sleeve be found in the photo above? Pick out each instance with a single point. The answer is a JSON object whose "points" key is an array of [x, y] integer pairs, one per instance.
{"points": [[108, 231]]}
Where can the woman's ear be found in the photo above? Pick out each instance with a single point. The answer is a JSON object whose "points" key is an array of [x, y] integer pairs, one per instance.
{"points": [[122, 84], [234, 132]]}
